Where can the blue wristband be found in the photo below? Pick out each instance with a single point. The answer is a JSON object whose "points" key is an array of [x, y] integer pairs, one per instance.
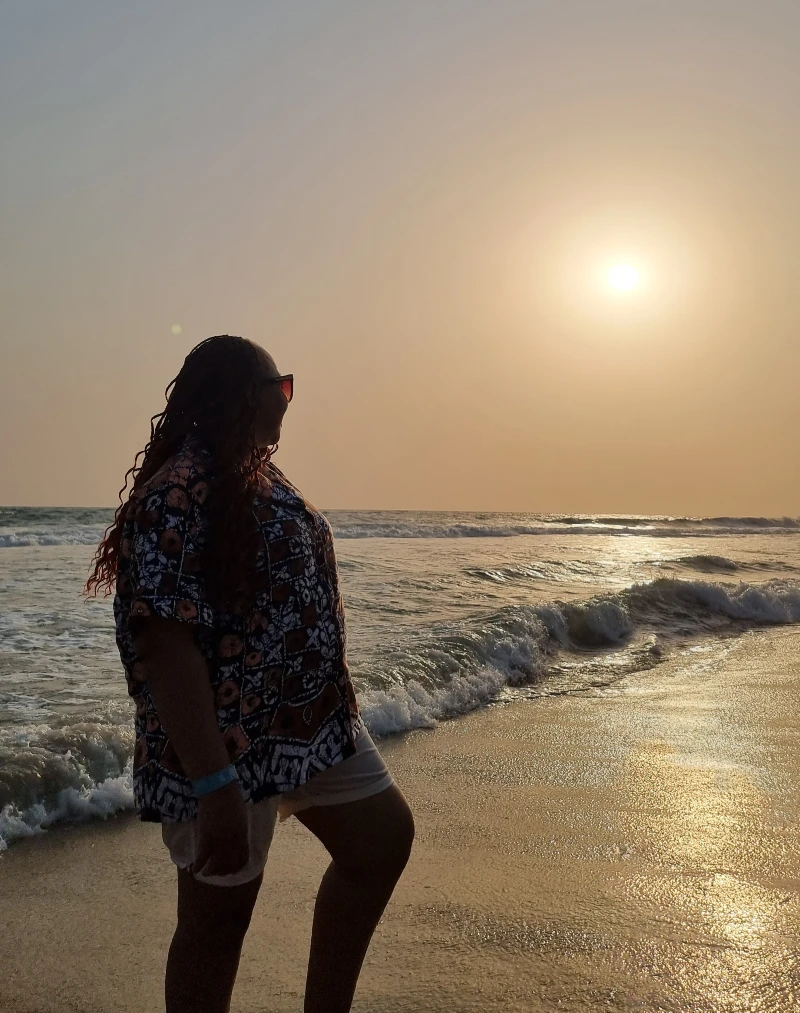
{"points": [[203, 785]]}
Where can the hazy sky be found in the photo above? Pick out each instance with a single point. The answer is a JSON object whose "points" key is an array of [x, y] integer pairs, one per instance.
{"points": [[412, 206]]}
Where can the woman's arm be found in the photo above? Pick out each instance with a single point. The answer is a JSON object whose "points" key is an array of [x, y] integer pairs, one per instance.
{"points": [[177, 676], [178, 679]]}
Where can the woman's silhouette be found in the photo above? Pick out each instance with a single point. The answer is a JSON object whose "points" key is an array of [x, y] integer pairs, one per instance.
{"points": [[230, 627]]}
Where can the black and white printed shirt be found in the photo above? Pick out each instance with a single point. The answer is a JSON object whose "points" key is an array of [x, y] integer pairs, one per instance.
{"points": [[285, 703]]}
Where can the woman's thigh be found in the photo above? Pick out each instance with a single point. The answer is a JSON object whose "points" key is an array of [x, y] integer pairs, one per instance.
{"points": [[371, 836], [206, 908]]}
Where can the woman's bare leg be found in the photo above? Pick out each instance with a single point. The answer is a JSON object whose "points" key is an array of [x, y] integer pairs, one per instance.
{"points": [[369, 842], [204, 954]]}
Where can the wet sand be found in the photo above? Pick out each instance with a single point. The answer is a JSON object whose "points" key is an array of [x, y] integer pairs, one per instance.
{"points": [[630, 849]]}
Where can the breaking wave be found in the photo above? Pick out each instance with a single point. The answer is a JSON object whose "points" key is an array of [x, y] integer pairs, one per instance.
{"points": [[71, 773]]}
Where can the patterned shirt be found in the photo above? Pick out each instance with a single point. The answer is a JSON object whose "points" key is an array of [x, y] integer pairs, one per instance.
{"points": [[285, 704]]}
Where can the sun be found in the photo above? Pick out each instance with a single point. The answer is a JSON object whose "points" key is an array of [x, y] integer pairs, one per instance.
{"points": [[623, 277]]}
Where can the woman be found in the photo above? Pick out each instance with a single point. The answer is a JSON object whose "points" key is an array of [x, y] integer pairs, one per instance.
{"points": [[231, 632]]}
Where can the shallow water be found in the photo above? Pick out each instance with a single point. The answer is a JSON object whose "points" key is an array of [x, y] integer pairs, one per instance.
{"points": [[445, 613]]}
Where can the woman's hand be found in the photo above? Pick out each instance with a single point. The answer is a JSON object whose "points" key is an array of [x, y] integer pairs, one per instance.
{"points": [[222, 843]]}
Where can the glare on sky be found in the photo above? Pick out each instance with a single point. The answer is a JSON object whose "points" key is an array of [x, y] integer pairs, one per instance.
{"points": [[623, 277]]}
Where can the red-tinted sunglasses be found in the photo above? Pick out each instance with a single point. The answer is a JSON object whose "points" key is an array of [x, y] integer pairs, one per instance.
{"points": [[286, 384]]}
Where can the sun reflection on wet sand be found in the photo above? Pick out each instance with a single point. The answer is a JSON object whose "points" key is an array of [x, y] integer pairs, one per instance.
{"points": [[727, 911]]}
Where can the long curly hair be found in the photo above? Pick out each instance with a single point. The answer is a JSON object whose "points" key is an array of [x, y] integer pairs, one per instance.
{"points": [[214, 396]]}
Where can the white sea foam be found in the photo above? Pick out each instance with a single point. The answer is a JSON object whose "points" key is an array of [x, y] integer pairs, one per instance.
{"points": [[402, 708], [599, 624], [697, 601], [71, 805], [21, 538]]}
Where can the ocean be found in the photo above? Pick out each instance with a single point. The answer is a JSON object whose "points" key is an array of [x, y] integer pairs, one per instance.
{"points": [[446, 613]]}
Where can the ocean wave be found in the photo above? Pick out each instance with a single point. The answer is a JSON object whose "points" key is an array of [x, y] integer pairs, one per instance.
{"points": [[520, 571], [23, 537], [552, 529], [699, 603], [706, 564], [63, 774], [575, 569], [754, 522], [642, 520], [82, 771], [21, 527], [722, 564], [71, 805], [524, 644]]}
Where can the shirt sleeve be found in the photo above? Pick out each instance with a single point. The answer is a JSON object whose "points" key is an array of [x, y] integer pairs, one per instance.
{"points": [[167, 539]]}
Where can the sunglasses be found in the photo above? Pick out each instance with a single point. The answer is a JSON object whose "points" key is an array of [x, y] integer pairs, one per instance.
{"points": [[286, 384]]}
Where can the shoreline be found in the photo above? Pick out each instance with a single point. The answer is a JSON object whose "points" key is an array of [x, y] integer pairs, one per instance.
{"points": [[633, 848]]}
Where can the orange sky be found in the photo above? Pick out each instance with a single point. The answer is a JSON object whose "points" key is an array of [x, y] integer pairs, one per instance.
{"points": [[408, 204]]}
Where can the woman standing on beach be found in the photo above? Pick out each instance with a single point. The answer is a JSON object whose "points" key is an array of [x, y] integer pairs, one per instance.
{"points": [[230, 627]]}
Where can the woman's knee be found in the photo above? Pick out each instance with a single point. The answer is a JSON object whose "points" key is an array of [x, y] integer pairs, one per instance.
{"points": [[404, 833], [371, 837], [386, 851]]}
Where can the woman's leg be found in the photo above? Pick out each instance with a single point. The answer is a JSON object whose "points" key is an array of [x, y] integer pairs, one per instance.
{"points": [[369, 842], [204, 954]]}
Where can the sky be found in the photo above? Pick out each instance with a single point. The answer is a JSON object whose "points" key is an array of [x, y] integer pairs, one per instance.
{"points": [[414, 207]]}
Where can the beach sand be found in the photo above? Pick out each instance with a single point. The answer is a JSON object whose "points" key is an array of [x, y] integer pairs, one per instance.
{"points": [[628, 849]]}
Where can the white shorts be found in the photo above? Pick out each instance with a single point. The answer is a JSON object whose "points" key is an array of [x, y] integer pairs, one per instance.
{"points": [[356, 777]]}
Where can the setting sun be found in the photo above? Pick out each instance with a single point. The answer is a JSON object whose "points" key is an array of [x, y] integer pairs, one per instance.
{"points": [[623, 277]]}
